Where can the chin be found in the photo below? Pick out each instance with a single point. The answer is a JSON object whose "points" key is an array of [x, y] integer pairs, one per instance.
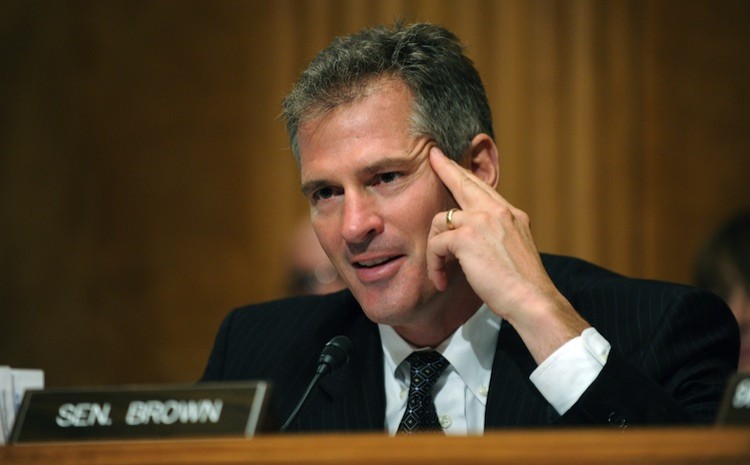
{"points": [[393, 308]]}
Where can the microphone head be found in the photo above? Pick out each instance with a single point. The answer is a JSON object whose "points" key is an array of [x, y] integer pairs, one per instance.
{"points": [[335, 354]]}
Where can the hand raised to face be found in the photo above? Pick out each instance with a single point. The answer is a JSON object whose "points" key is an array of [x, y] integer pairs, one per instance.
{"points": [[492, 241]]}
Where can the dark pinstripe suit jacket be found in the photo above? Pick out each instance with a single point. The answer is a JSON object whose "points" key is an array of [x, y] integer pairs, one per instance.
{"points": [[673, 348]]}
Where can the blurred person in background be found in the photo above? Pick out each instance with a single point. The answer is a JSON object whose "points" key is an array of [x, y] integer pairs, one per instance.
{"points": [[723, 266], [309, 271]]}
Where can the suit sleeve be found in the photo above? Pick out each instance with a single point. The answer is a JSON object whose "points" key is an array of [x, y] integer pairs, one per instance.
{"points": [[677, 376]]}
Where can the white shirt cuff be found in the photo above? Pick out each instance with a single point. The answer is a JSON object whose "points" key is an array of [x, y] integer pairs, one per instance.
{"points": [[564, 376]]}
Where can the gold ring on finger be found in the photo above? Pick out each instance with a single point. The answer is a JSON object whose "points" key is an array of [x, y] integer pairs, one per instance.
{"points": [[449, 218]]}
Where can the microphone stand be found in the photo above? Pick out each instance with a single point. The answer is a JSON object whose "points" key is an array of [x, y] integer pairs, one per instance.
{"points": [[335, 354]]}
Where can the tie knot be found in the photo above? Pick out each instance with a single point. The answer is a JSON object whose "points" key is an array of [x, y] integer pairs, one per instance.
{"points": [[426, 367]]}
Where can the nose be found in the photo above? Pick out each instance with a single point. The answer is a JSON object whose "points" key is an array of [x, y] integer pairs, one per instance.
{"points": [[362, 219]]}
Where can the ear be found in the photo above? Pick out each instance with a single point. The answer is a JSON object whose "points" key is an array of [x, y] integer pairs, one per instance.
{"points": [[482, 159]]}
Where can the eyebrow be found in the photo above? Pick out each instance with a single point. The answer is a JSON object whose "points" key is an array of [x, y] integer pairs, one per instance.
{"points": [[385, 164], [380, 166]]}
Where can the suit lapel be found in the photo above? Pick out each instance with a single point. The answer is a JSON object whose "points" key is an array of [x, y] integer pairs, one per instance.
{"points": [[353, 397]]}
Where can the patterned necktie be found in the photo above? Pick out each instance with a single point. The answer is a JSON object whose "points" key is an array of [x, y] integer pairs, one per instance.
{"points": [[420, 414]]}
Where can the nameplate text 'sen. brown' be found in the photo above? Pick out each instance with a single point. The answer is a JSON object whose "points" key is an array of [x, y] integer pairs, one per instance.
{"points": [[139, 412]]}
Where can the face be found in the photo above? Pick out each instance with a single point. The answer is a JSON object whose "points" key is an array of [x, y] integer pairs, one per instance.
{"points": [[373, 196]]}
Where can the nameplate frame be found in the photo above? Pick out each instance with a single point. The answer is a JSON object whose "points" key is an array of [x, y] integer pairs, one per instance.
{"points": [[145, 412]]}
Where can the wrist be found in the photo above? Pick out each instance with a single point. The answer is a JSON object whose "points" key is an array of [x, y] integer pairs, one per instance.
{"points": [[546, 326]]}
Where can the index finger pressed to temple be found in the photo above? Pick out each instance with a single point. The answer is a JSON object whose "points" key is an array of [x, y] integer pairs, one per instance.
{"points": [[465, 187]]}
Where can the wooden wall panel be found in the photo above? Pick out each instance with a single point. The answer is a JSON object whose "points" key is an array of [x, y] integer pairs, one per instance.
{"points": [[146, 185], [696, 116]]}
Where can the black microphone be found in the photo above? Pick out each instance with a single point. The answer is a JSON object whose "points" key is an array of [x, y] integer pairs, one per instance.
{"points": [[335, 354]]}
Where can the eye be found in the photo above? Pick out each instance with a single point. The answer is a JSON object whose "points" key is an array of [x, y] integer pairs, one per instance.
{"points": [[322, 194], [388, 177]]}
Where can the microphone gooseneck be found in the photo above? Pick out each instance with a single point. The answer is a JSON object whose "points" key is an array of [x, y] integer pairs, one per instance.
{"points": [[335, 354]]}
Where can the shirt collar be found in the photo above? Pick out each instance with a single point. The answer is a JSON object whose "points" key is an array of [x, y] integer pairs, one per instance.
{"points": [[470, 349]]}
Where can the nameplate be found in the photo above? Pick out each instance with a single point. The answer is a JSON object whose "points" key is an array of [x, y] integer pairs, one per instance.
{"points": [[735, 408], [140, 412]]}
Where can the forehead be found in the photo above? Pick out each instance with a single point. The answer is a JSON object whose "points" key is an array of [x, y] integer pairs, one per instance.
{"points": [[382, 112]]}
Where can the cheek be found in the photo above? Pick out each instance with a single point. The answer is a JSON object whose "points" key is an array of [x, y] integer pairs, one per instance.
{"points": [[433, 200], [414, 214], [326, 233]]}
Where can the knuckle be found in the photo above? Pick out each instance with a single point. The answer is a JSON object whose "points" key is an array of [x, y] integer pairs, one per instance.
{"points": [[523, 217], [505, 214]]}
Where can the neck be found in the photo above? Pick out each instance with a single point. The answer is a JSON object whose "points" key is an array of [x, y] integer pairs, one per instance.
{"points": [[442, 316]]}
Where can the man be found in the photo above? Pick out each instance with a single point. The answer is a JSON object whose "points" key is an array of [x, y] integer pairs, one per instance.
{"points": [[393, 135]]}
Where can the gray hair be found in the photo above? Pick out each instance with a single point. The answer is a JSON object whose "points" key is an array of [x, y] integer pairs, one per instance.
{"points": [[450, 103]]}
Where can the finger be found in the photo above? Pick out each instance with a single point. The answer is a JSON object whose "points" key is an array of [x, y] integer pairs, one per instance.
{"points": [[438, 256], [467, 189], [438, 250], [449, 218], [446, 221]]}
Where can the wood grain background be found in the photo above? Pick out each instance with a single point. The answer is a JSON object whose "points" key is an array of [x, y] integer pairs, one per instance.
{"points": [[146, 186]]}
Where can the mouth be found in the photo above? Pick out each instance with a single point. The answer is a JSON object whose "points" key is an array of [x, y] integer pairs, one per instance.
{"points": [[374, 262], [371, 270]]}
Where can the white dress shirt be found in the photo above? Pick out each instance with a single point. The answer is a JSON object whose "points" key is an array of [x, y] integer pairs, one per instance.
{"points": [[460, 393]]}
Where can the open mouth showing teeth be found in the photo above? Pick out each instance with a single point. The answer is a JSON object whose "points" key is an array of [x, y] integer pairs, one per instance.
{"points": [[373, 263]]}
